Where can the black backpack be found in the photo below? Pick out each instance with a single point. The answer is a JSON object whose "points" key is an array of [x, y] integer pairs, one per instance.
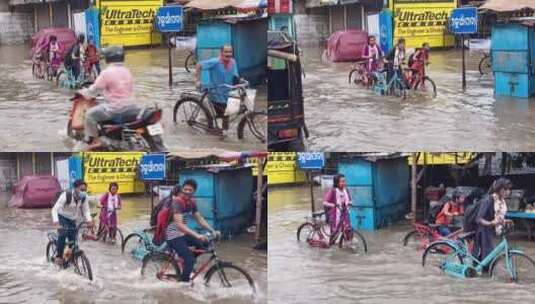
{"points": [[67, 58], [434, 211], [59, 193], [470, 214]]}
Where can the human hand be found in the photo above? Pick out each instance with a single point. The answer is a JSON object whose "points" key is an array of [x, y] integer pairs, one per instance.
{"points": [[202, 238], [56, 225]]}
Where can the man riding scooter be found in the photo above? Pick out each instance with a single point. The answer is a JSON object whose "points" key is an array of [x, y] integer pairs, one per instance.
{"points": [[117, 85]]}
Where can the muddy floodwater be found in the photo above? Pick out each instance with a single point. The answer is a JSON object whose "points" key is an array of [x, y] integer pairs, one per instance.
{"points": [[389, 273], [35, 113], [26, 277], [342, 117]]}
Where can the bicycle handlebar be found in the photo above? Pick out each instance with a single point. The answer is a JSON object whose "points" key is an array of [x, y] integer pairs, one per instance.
{"points": [[242, 85]]}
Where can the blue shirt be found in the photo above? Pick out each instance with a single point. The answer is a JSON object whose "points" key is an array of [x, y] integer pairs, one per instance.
{"points": [[218, 75]]}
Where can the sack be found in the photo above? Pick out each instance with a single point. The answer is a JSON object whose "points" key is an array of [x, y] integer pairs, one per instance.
{"points": [[434, 211], [470, 216], [162, 221], [59, 193], [250, 99], [233, 106]]}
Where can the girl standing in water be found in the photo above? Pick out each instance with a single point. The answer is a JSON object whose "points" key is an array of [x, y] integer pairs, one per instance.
{"points": [[334, 201]]}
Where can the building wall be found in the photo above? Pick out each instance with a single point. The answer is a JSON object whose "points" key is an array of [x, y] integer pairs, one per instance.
{"points": [[8, 171], [15, 27], [312, 26]]}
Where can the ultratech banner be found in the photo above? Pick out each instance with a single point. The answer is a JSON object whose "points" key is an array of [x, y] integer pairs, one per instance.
{"points": [[420, 21], [102, 168], [128, 23]]}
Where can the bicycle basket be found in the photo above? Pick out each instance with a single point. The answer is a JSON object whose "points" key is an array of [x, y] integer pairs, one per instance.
{"points": [[250, 99]]}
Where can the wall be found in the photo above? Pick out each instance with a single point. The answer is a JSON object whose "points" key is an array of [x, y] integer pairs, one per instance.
{"points": [[8, 171], [16, 27], [312, 27]]}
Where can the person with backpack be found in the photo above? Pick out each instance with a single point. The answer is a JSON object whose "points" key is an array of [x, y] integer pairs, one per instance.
{"points": [[109, 204], [452, 208], [172, 226], [394, 61], [71, 206], [491, 216], [73, 57], [417, 62], [334, 199]]}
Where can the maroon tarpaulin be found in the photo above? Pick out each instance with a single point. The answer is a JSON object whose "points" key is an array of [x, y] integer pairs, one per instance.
{"points": [[35, 191], [346, 45], [66, 39]]}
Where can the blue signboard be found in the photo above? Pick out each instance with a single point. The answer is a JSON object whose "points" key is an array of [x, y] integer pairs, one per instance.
{"points": [[75, 169], [385, 30], [463, 20], [152, 167], [310, 160], [169, 19], [92, 26]]}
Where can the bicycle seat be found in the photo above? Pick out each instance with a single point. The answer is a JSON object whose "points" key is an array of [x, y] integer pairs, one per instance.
{"points": [[466, 235], [318, 214]]}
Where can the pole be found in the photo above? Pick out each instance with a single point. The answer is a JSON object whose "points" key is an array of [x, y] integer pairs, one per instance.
{"points": [[413, 186], [464, 65], [309, 173], [259, 188], [151, 183], [170, 61]]}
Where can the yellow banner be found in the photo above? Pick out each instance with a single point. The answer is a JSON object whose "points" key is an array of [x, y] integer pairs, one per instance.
{"points": [[452, 158], [102, 168], [420, 21], [128, 23], [281, 168]]}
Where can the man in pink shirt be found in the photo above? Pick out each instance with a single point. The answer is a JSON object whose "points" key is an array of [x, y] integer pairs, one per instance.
{"points": [[117, 86]]}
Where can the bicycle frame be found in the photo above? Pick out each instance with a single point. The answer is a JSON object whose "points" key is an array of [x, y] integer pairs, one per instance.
{"points": [[385, 85], [180, 262]]}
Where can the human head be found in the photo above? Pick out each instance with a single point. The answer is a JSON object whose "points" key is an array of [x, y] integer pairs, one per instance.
{"points": [[113, 188], [457, 197], [80, 38], [425, 46], [502, 187], [53, 39], [339, 181], [371, 40], [114, 54], [401, 42], [80, 188], [226, 51], [189, 187], [284, 28]]}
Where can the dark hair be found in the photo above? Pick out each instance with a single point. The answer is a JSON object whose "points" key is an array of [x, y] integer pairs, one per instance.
{"points": [[78, 183], [80, 38], [424, 44], [401, 40], [112, 184], [370, 37], [176, 190], [336, 180], [500, 184], [225, 45], [190, 182], [52, 38]]}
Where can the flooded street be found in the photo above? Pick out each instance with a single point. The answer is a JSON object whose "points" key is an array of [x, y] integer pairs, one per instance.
{"points": [[343, 117], [36, 112], [301, 274], [26, 277]]}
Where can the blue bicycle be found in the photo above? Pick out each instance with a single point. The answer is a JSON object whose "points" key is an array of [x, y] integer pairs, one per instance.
{"points": [[395, 86], [65, 79], [504, 263], [139, 244]]}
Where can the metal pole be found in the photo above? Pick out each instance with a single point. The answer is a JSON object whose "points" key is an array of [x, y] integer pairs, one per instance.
{"points": [[464, 65], [413, 186], [170, 61], [151, 185], [309, 173], [259, 188]]}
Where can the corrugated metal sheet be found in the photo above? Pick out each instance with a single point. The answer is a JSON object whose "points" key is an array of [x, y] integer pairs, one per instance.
{"points": [[318, 3], [508, 5], [22, 2], [207, 5]]}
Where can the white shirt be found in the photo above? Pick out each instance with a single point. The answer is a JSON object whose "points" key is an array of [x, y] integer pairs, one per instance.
{"points": [[73, 211]]}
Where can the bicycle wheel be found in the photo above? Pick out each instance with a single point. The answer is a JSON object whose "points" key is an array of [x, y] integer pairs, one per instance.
{"points": [[62, 80], [398, 89], [189, 111], [119, 237], [82, 266], [229, 276], [426, 87], [190, 62], [51, 251], [415, 240], [485, 66], [160, 267], [256, 123], [438, 253], [354, 242], [132, 242], [522, 272], [304, 232]]}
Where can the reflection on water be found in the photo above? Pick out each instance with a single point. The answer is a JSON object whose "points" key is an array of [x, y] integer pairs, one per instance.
{"points": [[387, 274], [35, 112], [342, 117], [25, 277]]}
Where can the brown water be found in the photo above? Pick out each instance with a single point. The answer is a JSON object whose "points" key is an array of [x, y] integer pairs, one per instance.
{"points": [[35, 111], [342, 117], [25, 276], [389, 273]]}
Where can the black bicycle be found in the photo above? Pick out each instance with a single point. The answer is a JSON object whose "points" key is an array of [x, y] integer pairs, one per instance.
{"points": [[485, 64], [72, 254]]}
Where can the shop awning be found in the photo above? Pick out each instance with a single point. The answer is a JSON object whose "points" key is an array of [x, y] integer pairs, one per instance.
{"points": [[22, 2], [508, 5], [206, 5], [224, 155], [319, 3]]}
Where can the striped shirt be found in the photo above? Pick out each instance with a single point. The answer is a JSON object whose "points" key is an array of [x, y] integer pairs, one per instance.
{"points": [[187, 209]]}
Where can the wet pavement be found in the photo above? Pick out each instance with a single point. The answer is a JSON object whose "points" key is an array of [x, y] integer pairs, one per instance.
{"points": [[26, 277], [389, 273], [342, 117], [35, 111]]}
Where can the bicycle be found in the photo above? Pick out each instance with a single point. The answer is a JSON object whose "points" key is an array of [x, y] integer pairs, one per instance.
{"points": [[485, 64], [167, 266], [196, 111], [191, 62], [344, 235], [139, 244], [39, 66], [396, 86], [102, 233], [504, 262], [65, 79], [423, 234], [311, 224], [77, 257], [360, 75], [417, 81]]}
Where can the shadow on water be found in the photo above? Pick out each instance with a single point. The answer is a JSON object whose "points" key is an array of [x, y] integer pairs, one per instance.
{"points": [[342, 117], [389, 273], [35, 111], [25, 277]]}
